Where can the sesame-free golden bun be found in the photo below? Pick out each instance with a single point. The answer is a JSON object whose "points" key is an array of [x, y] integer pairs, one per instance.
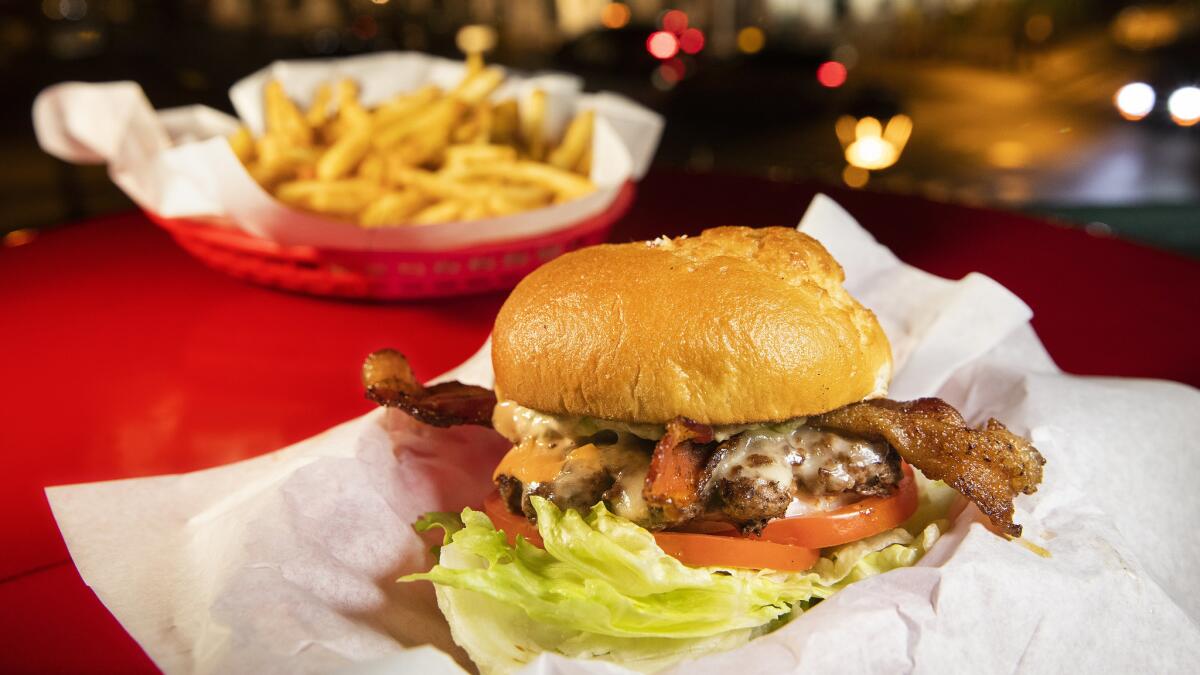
{"points": [[735, 326]]}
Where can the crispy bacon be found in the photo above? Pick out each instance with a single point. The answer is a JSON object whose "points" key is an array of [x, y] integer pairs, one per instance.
{"points": [[989, 466], [390, 381], [673, 483]]}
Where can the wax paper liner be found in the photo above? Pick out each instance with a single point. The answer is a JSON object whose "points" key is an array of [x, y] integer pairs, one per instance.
{"points": [[286, 562]]}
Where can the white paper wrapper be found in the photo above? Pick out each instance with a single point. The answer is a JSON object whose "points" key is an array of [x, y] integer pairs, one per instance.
{"points": [[175, 163], [284, 563]]}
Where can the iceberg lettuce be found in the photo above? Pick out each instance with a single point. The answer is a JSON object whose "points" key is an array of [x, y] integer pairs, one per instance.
{"points": [[602, 588]]}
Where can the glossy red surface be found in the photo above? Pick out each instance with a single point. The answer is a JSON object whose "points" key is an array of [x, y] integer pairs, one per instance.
{"points": [[124, 357]]}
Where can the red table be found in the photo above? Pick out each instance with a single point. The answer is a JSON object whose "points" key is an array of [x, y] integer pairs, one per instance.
{"points": [[123, 357]]}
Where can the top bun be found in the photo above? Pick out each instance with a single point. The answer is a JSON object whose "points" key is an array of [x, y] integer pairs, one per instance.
{"points": [[735, 326]]}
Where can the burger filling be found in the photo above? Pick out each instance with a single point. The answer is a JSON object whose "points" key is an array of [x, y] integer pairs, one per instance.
{"points": [[685, 475]]}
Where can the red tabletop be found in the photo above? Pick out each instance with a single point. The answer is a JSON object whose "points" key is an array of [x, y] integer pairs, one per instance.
{"points": [[124, 357]]}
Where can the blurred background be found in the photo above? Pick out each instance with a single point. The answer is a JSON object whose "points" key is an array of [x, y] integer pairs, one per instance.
{"points": [[1082, 110]]}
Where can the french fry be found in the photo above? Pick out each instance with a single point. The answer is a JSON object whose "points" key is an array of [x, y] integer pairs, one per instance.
{"points": [[505, 121], [508, 200], [351, 114], [430, 183], [279, 160], [437, 118], [476, 125], [533, 122], [242, 144], [343, 157], [525, 195], [373, 168], [318, 111], [576, 140], [339, 198], [284, 118], [422, 157], [474, 211], [393, 208], [405, 105], [566, 185], [467, 155], [474, 63], [442, 212], [475, 88], [584, 167]]}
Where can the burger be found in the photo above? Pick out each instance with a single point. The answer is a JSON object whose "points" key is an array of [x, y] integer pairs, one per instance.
{"points": [[702, 449]]}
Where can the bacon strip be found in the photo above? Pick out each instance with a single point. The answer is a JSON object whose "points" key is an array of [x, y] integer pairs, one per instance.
{"points": [[390, 381], [989, 466], [673, 483]]}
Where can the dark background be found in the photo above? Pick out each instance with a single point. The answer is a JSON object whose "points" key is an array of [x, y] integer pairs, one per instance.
{"points": [[1012, 101]]}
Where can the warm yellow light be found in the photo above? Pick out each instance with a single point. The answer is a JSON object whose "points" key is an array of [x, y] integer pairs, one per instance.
{"points": [[380, 2], [1008, 155], [615, 15], [855, 177], [871, 146], [871, 153], [1141, 27], [899, 128], [751, 39], [475, 39]]}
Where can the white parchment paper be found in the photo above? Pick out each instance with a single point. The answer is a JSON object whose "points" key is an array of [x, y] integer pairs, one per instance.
{"points": [[176, 163], [285, 562]]}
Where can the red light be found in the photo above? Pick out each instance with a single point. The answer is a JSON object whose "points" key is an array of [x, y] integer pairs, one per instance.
{"points": [[672, 71], [831, 74], [675, 21], [692, 41], [662, 45]]}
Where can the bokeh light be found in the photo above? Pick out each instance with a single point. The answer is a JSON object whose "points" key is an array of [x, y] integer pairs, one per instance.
{"points": [[1184, 106], [1039, 27], [751, 40], [1008, 154], [855, 177], [615, 15], [673, 71], [675, 21], [871, 146], [662, 45], [1135, 100], [691, 41], [831, 74]]}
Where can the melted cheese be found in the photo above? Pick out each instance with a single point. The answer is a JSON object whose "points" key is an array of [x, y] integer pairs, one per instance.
{"points": [[814, 462]]}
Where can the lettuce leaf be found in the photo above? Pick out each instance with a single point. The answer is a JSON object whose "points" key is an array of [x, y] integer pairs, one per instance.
{"points": [[602, 588]]}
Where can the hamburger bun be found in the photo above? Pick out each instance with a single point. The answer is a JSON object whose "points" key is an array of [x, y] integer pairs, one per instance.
{"points": [[735, 326]]}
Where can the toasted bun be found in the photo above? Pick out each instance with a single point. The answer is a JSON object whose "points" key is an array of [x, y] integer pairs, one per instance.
{"points": [[735, 326]]}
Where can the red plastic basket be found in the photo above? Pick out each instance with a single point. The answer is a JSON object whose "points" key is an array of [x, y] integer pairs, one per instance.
{"points": [[385, 275]]}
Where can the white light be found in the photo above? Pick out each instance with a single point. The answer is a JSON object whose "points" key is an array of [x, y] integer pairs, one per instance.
{"points": [[1135, 100], [1184, 105]]}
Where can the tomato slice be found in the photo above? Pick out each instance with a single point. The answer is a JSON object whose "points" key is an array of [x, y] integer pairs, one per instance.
{"points": [[849, 523], [695, 550], [715, 550]]}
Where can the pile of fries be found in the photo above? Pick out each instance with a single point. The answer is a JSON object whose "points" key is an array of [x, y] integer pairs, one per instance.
{"points": [[428, 156]]}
